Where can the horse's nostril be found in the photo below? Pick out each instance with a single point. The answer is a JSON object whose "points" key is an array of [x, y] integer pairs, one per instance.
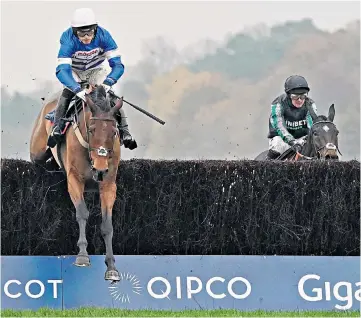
{"points": [[333, 157], [330, 146]]}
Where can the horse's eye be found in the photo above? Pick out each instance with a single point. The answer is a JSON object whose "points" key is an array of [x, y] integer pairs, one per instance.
{"points": [[315, 133], [91, 129], [115, 131]]}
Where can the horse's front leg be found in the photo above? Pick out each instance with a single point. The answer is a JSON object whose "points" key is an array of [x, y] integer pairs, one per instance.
{"points": [[107, 196], [76, 191]]}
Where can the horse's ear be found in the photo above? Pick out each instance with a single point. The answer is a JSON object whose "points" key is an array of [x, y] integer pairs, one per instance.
{"points": [[117, 106], [90, 103], [331, 112]]}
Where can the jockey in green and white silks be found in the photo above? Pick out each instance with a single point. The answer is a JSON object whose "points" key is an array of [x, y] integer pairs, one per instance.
{"points": [[290, 119]]}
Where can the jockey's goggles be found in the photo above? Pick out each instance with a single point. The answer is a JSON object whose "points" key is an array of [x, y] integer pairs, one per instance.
{"points": [[298, 96], [82, 33]]}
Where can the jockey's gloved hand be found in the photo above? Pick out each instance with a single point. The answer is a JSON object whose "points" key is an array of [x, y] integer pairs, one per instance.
{"points": [[296, 145], [81, 95], [108, 83]]}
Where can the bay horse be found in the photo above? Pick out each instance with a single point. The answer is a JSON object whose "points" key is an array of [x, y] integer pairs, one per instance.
{"points": [[90, 150], [321, 143]]}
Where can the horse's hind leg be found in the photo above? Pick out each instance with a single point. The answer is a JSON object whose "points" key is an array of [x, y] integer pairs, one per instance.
{"points": [[76, 190], [107, 196]]}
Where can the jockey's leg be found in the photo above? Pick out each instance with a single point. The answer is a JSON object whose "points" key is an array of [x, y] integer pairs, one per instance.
{"points": [[61, 109], [97, 76], [276, 147], [78, 75], [125, 136]]}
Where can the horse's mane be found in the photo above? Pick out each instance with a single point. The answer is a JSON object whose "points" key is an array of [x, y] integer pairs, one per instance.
{"points": [[321, 118], [99, 97]]}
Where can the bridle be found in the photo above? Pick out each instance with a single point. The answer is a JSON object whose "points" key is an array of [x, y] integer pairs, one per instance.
{"points": [[101, 151], [328, 146]]}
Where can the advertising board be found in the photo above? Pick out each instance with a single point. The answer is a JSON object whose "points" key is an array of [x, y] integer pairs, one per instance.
{"points": [[29, 282], [185, 282]]}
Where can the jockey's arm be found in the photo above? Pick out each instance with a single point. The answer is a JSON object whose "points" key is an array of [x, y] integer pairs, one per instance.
{"points": [[114, 59], [308, 116], [65, 76], [63, 69], [117, 70], [278, 123]]}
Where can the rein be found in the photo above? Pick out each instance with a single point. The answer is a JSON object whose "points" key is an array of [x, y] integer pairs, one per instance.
{"points": [[101, 151], [329, 146]]}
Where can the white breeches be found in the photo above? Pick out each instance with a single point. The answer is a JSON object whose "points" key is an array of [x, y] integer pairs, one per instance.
{"points": [[94, 76], [278, 145]]}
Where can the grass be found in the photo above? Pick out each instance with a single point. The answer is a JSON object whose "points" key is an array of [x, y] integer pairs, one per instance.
{"points": [[105, 312]]}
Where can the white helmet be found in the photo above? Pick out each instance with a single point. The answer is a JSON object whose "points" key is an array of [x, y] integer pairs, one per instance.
{"points": [[83, 17]]}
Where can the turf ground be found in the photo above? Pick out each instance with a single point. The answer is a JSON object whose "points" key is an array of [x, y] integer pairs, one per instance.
{"points": [[100, 312]]}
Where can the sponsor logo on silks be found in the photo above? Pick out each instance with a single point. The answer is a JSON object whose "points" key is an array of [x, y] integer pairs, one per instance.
{"points": [[296, 124], [160, 287], [342, 291], [87, 54], [33, 288]]}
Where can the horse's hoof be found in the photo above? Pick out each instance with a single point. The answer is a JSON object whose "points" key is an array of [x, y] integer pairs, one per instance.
{"points": [[82, 261], [112, 275]]}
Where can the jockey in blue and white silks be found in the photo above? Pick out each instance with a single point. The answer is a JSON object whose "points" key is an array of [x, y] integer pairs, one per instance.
{"points": [[83, 48]]}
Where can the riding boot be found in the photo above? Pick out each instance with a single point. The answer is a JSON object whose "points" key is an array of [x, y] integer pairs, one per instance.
{"points": [[125, 136], [272, 154], [61, 109]]}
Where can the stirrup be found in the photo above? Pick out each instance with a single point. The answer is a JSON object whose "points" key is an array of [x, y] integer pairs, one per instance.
{"points": [[57, 129]]}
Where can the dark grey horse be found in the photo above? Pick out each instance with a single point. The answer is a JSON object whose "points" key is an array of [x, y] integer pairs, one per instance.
{"points": [[321, 141]]}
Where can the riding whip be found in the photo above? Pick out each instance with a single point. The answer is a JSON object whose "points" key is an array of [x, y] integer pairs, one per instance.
{"points": [[140, 109]]}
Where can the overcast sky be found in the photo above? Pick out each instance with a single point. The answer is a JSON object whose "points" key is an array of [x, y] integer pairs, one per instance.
{"points": [[30, 30]]}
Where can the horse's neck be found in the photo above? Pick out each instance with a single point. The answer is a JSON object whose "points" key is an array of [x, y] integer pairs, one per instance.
{"points": [[83, 121], [308, 149]]}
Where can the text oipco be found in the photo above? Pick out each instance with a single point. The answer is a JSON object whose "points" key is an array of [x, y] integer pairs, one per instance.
{"points": [[194, 285]]}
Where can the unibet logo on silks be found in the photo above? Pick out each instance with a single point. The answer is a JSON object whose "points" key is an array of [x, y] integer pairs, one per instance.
{"points": [[342, 291], [296, 124], [194, 285]]}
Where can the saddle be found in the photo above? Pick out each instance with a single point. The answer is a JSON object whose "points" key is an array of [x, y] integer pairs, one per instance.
{"points": [[291, 155], [288, 155], [72, 114]]}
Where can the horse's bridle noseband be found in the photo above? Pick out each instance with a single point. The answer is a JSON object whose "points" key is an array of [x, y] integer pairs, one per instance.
{"points": [[101, 151], [328, 145]]}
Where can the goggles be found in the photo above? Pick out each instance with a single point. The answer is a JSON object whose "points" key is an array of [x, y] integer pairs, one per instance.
{"points": [[298, 96], [82, 33]]}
